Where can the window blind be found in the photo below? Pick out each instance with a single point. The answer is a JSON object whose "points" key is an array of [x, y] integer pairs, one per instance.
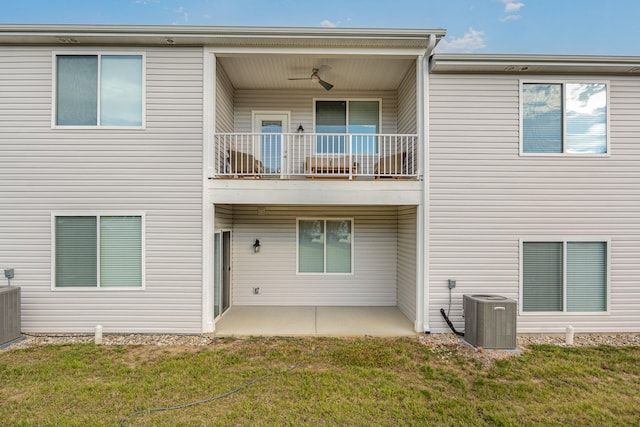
{"points": [[542, 118], [120, 251], [76, 251], [586, 276], [364, 117], [77, 90], [542, 276], [331, 116]]}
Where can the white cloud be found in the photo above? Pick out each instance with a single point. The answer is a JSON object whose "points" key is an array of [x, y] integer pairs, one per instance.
{"points": [[510, 18], [512, 5], [328, 24], [471, 41]]}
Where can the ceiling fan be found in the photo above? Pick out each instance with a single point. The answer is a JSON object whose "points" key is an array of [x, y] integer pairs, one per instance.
{"points": [[316, 78]]}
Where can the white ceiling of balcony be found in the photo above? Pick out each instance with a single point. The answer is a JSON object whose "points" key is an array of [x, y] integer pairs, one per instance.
{"points": [[345, 73]]}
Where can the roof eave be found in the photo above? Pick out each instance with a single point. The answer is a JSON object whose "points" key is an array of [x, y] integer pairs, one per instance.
{"points": [[534, 64], [201, 36]]}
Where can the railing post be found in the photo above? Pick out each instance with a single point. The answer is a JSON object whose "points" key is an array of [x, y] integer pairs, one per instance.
{"points": [[350, 165], [283, 145]]}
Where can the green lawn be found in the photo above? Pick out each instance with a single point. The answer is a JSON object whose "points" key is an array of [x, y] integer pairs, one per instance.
{"points": [[338, 382]]}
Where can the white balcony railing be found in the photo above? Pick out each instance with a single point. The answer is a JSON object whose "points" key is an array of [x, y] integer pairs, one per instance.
{"points": [[292, 155]]}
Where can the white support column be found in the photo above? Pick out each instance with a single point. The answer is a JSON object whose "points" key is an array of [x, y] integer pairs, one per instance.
{"points": [[208, 209], [422, 232]]}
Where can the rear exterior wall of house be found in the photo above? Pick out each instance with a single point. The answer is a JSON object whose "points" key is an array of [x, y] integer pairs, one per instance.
{"points": [[485, 198], [154, 171]]}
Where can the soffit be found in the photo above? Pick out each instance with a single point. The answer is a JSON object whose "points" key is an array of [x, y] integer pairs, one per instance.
{"points": [[349, 73]]}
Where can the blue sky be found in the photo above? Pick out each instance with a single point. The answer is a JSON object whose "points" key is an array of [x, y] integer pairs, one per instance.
{"points": [[581, 27]]}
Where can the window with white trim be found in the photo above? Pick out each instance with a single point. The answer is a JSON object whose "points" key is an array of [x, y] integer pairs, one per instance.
{"points": [[360, 118], [565, 276], [564, 118], [100, 90], [98, 251], [325, 246]]}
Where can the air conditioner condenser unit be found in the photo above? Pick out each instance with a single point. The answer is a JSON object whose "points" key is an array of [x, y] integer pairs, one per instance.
{"points": [[490, 321], [9, 314]]}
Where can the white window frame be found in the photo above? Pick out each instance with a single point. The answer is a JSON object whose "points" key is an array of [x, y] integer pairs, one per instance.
{"points": [[347, 100], [564, 241], [324, 261], [522, 82], [97, 288], [99, 54]]}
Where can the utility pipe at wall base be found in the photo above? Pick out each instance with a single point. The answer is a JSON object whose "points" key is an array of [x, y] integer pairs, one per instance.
{"points": [[98, 335], [569, 335]]}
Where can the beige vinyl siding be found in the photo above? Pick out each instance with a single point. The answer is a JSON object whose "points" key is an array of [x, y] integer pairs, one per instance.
{"points": [[224, 100], [224, 217], [484, 198], [407, 103], [373, 282], [407, 242], [300, 104], [156, 171]]}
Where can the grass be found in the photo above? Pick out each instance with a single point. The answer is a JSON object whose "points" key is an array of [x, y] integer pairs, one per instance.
{"points": [[339, 382]]}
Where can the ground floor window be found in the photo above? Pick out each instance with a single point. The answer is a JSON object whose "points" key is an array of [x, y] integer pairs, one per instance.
{"points": [[325, 246], [566, 276], [98, 251]]}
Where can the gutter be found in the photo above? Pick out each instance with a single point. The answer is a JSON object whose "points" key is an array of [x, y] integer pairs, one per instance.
{"points": [[202, 35], [535, 64]]}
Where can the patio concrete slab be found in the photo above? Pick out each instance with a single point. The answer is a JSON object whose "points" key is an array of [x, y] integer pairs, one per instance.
{"points": [[244, 320], [313, 321], [358, 321]]}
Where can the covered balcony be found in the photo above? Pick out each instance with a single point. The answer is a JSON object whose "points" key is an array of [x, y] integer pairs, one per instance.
{"points": [[309, 116]]}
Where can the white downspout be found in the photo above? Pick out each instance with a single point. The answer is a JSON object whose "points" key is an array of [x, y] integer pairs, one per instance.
{"points": [[422, 312]]}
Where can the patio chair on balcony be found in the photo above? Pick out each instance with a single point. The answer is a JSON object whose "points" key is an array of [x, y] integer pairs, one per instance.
{"points": [[391, 166], [244, 164]]}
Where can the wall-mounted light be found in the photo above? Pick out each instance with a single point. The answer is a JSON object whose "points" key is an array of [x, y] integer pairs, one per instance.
{"points": [[300, 128], [8, 274], [256, 246]]}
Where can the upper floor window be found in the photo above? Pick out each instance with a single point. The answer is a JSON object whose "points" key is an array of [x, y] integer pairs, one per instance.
{"points": [[99, 90], [564, 118], [359, 118]]}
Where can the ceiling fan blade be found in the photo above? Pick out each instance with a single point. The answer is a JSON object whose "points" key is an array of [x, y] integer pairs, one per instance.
{"points": [[301, 78], [327, 86]]}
